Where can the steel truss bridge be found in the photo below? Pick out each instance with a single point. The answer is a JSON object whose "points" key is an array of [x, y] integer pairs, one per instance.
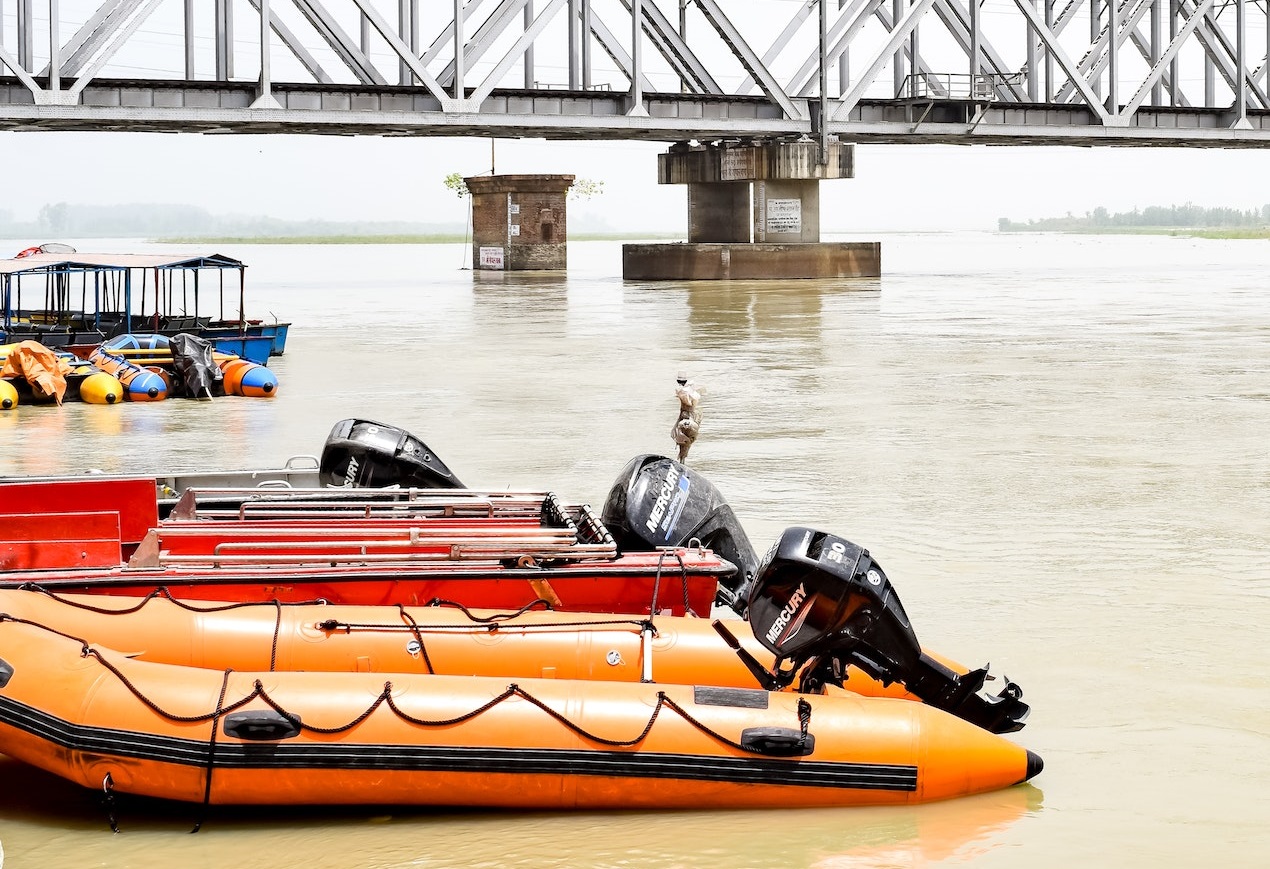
{"points": [[1079, 72]]}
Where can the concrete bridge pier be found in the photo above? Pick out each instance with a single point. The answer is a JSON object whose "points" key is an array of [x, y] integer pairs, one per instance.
{"points": [[753, 214]]}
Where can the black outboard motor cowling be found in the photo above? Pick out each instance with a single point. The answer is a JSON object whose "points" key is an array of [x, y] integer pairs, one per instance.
{"points": [[822, 599], [360, 453], [658, 502], [813, 590]]}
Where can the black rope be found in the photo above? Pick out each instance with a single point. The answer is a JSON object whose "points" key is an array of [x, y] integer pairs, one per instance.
{"points": [[704, 728], [39, 589], [386, 697], [683, 582], [349, 627], [89, 652], [445, 722], [513, 690], [496, 617], [211, 751], [17, 620], [277, 629], [418, 635], [652, 606], [662, 700], [165, 593], [108, 788], [312, 728]]}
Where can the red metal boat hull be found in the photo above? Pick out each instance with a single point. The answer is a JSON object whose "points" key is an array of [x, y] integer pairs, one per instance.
{"points": [[634, 583]]}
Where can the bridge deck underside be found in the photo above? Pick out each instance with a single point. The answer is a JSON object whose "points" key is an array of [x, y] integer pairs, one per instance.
{"points": [[1082, 72], [204, 107]]}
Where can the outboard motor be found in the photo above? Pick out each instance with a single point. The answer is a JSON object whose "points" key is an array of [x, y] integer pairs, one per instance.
{"points": [[360, 453], [197, 374], [821, 603], [659, 502]]}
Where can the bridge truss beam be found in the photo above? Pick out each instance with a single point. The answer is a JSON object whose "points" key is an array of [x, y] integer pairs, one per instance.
{"points": [[1145, 72]]}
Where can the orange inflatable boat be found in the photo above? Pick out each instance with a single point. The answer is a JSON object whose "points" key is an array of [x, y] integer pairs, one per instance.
{"points": [[530, 710], [104, 720], [817, 617], [441, 639]]}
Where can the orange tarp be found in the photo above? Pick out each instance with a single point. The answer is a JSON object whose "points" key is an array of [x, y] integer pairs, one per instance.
{"points": [[42, 368]]}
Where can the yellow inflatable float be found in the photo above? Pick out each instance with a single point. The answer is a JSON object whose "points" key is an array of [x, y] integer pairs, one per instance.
{"points": [[42, 375]]}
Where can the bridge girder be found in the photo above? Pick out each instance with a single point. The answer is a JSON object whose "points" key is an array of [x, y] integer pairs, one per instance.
{"points": [[1146, 72]]}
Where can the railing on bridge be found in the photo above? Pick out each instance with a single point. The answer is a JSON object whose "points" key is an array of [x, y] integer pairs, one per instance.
{"points": [[961, 86]]}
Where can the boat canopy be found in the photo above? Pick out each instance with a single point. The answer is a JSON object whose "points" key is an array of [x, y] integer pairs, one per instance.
{"points": [[40, 262], [111, 274]]}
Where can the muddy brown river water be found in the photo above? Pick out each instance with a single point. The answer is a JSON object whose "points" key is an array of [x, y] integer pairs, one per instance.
{"points": [[1056, 446]]}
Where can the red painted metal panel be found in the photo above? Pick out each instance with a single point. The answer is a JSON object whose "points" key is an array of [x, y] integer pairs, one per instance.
{"points": [[44, 541], [133, 500]]}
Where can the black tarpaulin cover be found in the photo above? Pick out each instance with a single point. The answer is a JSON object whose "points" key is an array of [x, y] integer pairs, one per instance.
{"points": [[195, 373]]}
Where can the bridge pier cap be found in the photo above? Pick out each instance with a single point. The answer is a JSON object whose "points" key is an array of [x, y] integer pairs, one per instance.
{"points": [[755, 191], [519, 221], [754, 161]]}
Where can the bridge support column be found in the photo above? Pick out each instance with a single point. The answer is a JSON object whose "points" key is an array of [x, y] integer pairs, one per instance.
{"points": [[754, 214], [718, 212]]}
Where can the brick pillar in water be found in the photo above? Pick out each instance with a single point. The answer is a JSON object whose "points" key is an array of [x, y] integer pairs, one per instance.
{"points": [[519, 221]]}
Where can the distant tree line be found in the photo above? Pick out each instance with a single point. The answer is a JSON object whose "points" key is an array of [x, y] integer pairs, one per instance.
{"points": [[1187, 215], [64, 220]]}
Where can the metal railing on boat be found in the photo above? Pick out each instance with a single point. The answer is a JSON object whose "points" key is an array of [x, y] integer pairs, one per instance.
{"points": [[521, 554], [562, 534], [291, 503]]}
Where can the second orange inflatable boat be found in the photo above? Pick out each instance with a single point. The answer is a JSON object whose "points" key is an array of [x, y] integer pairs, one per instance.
{"points": [[443, 640]]}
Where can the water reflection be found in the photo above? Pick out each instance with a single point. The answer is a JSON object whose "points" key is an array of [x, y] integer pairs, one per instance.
{"points": [[42, 439], [540, 297], [956, 831], [725, 314]]}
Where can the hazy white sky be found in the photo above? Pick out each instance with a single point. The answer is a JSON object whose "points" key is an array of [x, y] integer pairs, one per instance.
{"points": [[371, 178]]}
